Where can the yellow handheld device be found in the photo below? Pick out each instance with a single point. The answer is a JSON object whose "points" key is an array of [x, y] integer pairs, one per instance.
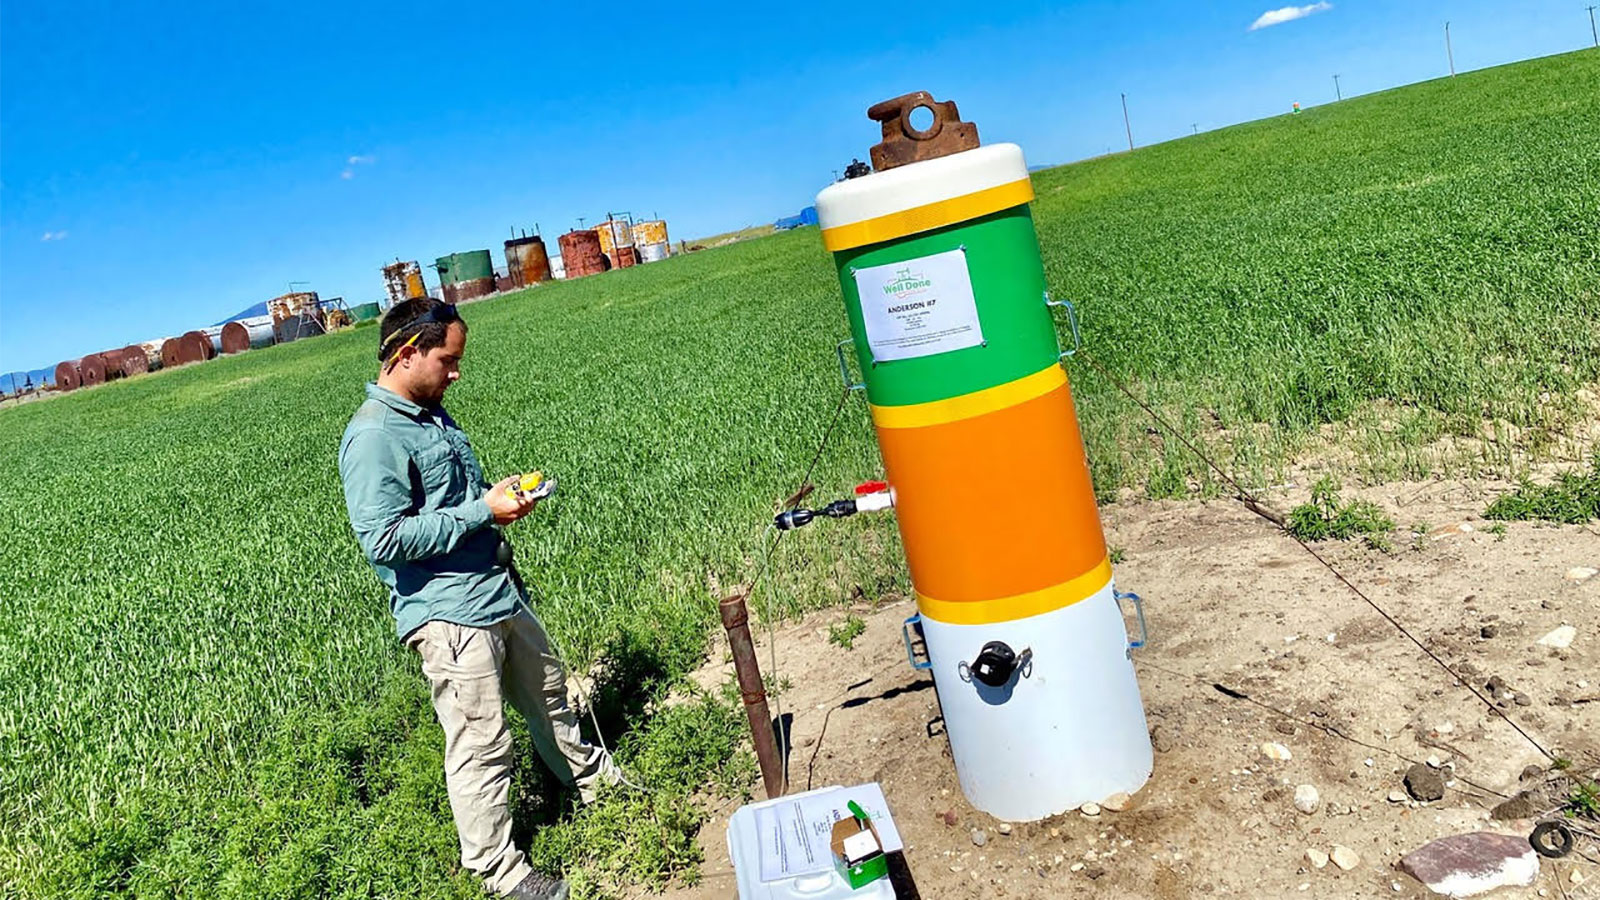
{"points": [[533, 484]]}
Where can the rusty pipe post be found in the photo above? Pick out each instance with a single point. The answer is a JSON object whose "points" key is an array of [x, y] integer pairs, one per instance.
{"points": [[736, 619]]}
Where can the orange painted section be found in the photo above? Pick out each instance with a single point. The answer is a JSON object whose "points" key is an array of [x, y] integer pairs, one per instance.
{"points": [[997, 505]]}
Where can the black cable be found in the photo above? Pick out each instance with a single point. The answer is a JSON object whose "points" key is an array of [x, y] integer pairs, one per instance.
{"points": [[1260, 509]]}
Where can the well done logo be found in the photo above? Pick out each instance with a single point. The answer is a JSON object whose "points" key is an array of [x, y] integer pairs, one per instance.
{"points": [[907, 285]]}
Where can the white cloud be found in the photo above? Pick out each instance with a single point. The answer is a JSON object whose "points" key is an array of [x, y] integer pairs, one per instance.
{"points": [[356, 160], [1289, 14], [53, 236]]}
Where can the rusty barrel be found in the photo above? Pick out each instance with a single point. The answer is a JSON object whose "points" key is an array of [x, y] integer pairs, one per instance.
{"points": [[68, 376]]}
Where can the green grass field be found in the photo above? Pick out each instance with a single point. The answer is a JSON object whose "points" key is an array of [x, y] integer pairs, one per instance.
{"points": [[200, 690]]}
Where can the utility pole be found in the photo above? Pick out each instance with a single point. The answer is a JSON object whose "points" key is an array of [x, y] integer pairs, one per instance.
{"points": [[1337, 95], [1448, 52], [1125, 123], [1196, 127], [1592, 33]]}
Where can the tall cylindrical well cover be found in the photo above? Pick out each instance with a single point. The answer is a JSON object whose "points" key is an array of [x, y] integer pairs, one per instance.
{"points": [[940, 270]]}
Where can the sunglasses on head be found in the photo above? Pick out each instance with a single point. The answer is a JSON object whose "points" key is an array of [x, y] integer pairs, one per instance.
{"points": [[443, 314]]}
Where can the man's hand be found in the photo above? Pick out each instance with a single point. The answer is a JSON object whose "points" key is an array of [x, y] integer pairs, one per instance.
{"points": [[509, 507]]}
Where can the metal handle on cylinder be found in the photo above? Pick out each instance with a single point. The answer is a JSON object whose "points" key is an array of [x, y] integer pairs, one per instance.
{"points": [[1072, 320], [844, 367], [915, 621], [1138, 608]]}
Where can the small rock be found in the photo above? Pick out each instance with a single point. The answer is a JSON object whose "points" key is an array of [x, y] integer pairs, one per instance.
{"points": [[1581, 573], [979, 837], [1284, 726], [1466, 865], [1576, 878], [1090, 809], [1316, 857], [1520, 806], [1344, 857], [1523, 699], [1161, 738], [1094, 872], [1423, 783], [1531, 772], [1434, 761], [1488, 631], [949, 818], [1560, 639], [1306, 799], [1276, 752], [1397, 796], [1117, 802], [1550, 604], [1076, 867], [1005, 828]]}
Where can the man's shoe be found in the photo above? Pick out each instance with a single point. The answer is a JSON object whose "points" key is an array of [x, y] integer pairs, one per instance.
{"points": [[539, 887]]}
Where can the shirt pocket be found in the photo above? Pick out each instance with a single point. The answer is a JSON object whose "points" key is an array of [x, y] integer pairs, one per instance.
{"points": [[440, 469]]}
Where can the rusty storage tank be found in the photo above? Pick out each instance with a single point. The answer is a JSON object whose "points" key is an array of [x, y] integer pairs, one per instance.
{"points": [[199, 346], [464, 276], [170, 355], [402, 281], [247, 334], [92, 370], [581, 254], [293, 304], [134, 360], [650, 240], [616, 236], [527, 261], [113, 363], [68, 376]]}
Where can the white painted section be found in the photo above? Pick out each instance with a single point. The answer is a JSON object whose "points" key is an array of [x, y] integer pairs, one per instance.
{"points": [[1072, 732], [918, 184]]}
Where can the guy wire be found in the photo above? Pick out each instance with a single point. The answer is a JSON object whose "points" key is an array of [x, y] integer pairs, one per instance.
{"points": [[1256, 506]]}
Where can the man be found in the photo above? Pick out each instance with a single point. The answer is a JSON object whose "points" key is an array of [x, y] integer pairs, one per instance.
{"points": [[424, 515]]}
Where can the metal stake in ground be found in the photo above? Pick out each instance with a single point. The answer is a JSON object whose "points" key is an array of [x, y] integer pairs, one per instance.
{"points": [[736, 619]]}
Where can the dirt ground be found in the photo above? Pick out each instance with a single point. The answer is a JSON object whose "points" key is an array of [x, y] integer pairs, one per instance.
{"points": [[1232, 601]]}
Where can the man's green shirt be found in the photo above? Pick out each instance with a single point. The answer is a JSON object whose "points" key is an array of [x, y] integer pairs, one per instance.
{"points": [[414, 491]]}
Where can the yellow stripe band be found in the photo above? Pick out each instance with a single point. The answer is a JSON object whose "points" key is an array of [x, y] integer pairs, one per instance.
{"points": [[967, 406], [1021, 606], [928, 216]]}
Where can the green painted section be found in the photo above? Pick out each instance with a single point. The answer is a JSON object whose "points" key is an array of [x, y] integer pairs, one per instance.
{"points": [[1008, 286], [365, 311], [459, 267]]}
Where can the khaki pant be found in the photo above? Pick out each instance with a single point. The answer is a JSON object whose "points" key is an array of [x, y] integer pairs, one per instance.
{"points": [[472, 672]]}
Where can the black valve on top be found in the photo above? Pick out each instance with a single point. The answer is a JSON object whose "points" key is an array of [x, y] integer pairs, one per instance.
{"points": [[997, 662], [790, 519]]}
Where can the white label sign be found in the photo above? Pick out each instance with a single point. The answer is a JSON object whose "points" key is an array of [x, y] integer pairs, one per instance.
{"points": [[919, 307]]}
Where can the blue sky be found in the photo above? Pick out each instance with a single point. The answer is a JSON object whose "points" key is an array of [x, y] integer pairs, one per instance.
{"points": [[163, 166]]}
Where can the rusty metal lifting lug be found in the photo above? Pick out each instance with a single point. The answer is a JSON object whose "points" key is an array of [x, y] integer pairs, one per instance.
{"points": [[904, 143]]}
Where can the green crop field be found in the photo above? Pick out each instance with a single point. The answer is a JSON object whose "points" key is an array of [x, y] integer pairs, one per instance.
{"points": [[200, 690]]}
